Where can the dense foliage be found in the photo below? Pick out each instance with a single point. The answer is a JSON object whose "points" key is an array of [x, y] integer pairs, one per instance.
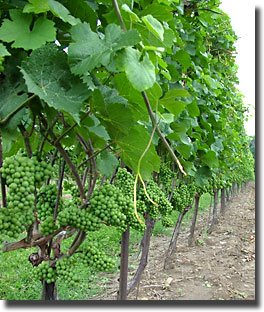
{"points": [[140, 101]]}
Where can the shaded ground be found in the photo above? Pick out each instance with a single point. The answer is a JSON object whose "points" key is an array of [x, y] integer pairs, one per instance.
{"points": [[220, 265]]}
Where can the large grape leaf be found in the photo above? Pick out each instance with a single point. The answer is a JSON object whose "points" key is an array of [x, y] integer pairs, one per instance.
{"points": [[170, 103], [12, 98], [210, 159], [133, 146], [202, 176], [106, 163], [154, 26], [183, 58], [141, 73], [85, 11], [19, 30], [113, 111], [36, 6], [63, 13], [3, 51], [47, 75], [158, 11], [88, 50]]}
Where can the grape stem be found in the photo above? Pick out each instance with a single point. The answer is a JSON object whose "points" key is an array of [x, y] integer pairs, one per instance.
{"points": [[163, 139], [3, 121], [139, 176], [26, 140], [66, 157], [122, 24], [59, 190], [3, 182]]}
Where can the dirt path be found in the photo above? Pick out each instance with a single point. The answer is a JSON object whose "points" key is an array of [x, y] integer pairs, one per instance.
{"points": [[220, 266]]}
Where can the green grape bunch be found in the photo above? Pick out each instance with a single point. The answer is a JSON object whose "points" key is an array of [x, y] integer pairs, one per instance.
{"points": [[66, 270], [74, 217], [44, 272], [125, 182], [183, 195], [94, 256], [22, 176], [163, 207], [48, 226], [166, 176], [46, 201], [109, 204]]}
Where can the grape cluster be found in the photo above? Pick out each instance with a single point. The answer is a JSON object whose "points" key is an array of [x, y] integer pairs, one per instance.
{"points": [[77, 218], [46, 200], [125, 182], [48, 226], [167, 222], [44, 272], [108, 203], [65, 269], [94, 256], [165, 178], [164, 207], [22, 175], [75, 195], [183, 195]]}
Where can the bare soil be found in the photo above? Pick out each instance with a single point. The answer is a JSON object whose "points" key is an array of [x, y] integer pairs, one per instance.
{"points": [[220, 265]]}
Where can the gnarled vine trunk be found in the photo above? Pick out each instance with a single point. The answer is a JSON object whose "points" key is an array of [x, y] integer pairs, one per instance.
{"points": [[175, 236], [49, 291], [195, 213], [144, 255], [223, 203], [122, 293], [214, 219]]}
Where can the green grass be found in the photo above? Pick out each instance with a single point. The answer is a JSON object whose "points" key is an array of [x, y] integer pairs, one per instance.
{"points": [[16, 281]]}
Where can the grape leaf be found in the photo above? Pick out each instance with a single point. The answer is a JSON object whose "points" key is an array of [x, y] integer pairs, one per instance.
{"points": [[170, 103], [153, 26], [214, 84], [63, 13], [47, 74], [133, 16], [106, 163], [88, 50], [141, 74], [210, 159], [10, 101], [159, 11], [133, 146], [183, 58], [3, 51], [84, 11], [193, 109], [113, 111], [202, 176], [18, 30], [184, 150], [36, 6]]}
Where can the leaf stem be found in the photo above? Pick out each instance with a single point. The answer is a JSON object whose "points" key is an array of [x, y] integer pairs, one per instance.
{"points": [[119, 16], [71, 128], [59, 190], [3, 182], [160, 134], [66, 157], [3, 121]]}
